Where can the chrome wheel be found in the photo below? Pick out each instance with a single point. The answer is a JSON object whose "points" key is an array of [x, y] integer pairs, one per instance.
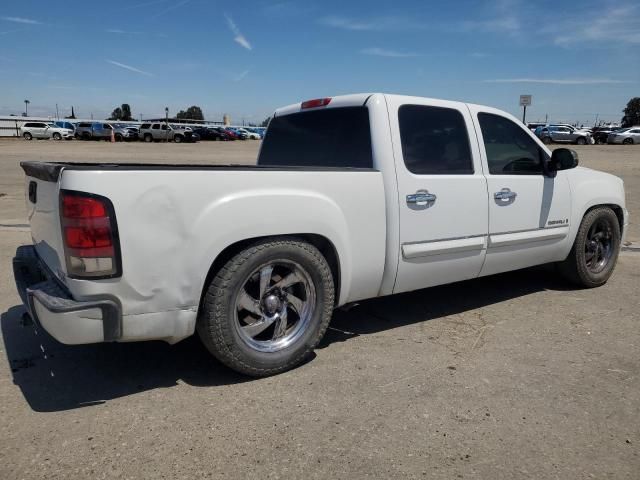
{"points": [[274, 306], [599, 246]]}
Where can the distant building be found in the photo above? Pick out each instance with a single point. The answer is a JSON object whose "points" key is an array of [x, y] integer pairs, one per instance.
{"points": [[226, 119]]}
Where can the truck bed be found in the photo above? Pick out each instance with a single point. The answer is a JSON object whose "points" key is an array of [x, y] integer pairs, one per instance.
{"points": [[174, 220]]}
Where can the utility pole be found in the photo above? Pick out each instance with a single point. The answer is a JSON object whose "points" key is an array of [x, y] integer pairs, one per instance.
{"points": [[524, 114], [26, 108], [57, 114]]}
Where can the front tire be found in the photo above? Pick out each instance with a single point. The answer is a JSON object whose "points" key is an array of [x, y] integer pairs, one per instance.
{"points": [[595, 250], [27, 136], [148, 138], [581, 141], [177, 139], [546, 140], [268, 307], [628, 141], [57, 136]]}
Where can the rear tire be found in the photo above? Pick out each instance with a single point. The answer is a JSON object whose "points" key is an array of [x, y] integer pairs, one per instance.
{"points": [[27, 136], [148, 138], [546, 140], [118, 137], [275, 279], [595, 250]]}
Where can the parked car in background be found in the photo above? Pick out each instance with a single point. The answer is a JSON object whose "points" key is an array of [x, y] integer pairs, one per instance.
{"points": [[232, 135], [44, 130], [533, 125], [207, 133], [601, 134], [563, 134], [150, 132], [124, 133], [626, 136], [239, 135], [250, 135], [65, 124], [93, 131]]}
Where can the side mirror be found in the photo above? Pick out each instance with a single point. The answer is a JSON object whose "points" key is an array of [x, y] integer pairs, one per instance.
{"points": [[561, 159]]}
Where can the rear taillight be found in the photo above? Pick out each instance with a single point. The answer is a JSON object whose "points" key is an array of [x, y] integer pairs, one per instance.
{"points": [[316, 102], [90, 235]]}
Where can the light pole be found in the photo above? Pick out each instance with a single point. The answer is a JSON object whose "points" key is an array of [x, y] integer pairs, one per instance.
{"points": [[26, 108], [166, 121]]}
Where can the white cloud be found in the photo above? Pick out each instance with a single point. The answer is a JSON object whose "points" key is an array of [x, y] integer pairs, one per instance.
{"points": [[508, 24], [169, 9], [129, 67], [239, 38], [241, 76], [618, 25], [121, 32], [376, 24], [27, 21], [384, 52], [559, 81]]}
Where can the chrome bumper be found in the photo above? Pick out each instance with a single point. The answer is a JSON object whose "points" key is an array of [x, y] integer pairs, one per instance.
{"points": [[50, 305]]}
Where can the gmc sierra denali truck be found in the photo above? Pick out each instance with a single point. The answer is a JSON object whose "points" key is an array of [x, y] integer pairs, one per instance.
{"points": [[352, 197]]}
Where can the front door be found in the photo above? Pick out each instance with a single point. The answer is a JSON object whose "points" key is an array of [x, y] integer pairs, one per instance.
{"points": [[529, 213], [443, 193]]}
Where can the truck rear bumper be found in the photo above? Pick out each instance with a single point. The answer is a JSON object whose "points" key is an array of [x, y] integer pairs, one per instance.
{"points": [[50, 305]]}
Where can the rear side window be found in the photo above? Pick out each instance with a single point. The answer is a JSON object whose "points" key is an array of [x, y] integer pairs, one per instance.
{"points": [[29, 125], [434, 140], [335, 137], [145, 125], [155, 126]]}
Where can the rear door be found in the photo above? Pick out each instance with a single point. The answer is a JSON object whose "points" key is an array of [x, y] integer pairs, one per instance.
{"points": [[39, 130], [529, 213], [442, 190]]}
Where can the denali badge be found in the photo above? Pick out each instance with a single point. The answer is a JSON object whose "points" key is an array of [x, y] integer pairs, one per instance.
{"points": [[558, 222]]}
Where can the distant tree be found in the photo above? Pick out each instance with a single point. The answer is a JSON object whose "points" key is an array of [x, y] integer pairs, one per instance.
{"points": [[265, 122], [126, 112], [192, 113], [632, 113], [122, 112]]}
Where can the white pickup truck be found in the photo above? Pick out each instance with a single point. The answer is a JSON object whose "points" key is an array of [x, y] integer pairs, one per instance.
{"points": [[353, 197]]}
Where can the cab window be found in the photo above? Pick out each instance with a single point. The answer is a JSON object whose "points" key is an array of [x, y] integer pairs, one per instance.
{"points": [[510, 150], [434, 140]]}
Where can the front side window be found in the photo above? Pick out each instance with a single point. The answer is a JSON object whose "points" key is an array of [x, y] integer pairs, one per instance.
{"points": [[434, 140], [510, 150]]}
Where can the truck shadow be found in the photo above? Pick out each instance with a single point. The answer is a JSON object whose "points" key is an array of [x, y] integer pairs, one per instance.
{"points": [[55, 377]]}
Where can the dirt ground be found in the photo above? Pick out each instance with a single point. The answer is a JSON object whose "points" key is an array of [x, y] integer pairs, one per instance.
{"points": [[513, 376]]}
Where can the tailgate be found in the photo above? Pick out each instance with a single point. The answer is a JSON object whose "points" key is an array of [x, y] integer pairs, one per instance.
{"points": [[42, 197]]}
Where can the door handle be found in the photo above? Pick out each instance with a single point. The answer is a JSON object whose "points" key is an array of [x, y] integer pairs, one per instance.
{"points": [[504, 194], [421, 197]]}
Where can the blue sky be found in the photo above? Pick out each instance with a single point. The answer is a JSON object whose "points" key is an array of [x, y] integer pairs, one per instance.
{"points": [[577, 59]]}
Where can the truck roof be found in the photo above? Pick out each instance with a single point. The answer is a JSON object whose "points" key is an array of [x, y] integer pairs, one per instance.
{"points": [[353, 100]]}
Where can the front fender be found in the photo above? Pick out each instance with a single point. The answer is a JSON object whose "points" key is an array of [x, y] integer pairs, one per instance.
{"points": [[590, 188]]}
